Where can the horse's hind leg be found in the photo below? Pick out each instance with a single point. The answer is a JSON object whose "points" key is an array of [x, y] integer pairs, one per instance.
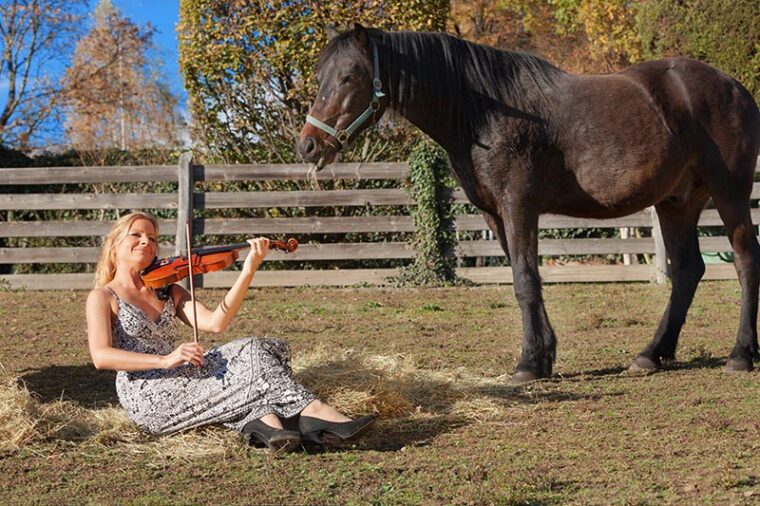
{"points": [[496, 224], [679, 232], [738, 223]]}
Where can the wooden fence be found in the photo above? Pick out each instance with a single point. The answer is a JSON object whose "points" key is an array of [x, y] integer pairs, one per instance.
{"points": [[187, 198]]}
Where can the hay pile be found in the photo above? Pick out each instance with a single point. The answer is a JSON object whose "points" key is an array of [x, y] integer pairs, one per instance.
{"points": [[19, 415], [25, 420], [357, 384], [391, 387]]}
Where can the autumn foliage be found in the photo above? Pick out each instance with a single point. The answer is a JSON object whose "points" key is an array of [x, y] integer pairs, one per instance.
{"points": [[113, 95]]}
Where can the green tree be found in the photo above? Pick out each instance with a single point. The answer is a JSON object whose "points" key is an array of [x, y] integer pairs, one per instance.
{"points": [[724, 33], [248, 69]]}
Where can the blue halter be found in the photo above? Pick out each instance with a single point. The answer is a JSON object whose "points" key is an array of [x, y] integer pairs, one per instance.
{"points": [[343, 135]]}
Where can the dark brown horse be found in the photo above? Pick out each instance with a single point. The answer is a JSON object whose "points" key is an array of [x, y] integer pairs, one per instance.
{"points": [[526, 138]]}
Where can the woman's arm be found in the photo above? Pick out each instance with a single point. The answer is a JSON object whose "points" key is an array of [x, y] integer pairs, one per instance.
{"points": [[217, 320], [105, 356]]}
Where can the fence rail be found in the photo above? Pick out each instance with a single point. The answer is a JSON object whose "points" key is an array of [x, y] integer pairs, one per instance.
{"points": [[188, 197]]}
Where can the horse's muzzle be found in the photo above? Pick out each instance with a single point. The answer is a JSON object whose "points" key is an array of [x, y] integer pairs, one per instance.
{"points": [[313, 148], [308, 148]]}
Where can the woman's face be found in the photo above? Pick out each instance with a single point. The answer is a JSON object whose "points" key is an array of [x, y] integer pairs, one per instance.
{"points": [[140, 245]]}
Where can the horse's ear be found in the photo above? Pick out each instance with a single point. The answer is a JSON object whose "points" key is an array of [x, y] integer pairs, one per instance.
{"points": [[332, 32], [361, 35]]}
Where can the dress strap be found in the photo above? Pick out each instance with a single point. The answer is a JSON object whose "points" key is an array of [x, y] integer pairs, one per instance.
{"points": [[112, 292]]}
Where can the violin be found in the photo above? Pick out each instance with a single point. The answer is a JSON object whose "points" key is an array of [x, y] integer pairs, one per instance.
{"points": [[209, 259], [165, 271]]}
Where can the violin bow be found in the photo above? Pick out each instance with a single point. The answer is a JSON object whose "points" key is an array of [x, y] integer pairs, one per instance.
{"points": [[190, 276]]}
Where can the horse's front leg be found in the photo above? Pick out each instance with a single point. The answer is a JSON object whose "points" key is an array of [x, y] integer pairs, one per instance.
{"points": [[539, 342]]}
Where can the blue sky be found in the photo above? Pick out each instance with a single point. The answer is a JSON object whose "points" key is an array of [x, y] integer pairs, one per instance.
{"points": [[164, 16]]}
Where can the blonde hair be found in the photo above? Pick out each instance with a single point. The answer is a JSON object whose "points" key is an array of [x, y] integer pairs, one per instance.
{"points": [[106, 268]]}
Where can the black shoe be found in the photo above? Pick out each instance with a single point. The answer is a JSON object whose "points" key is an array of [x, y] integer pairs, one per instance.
{"points": [[312, 443], [312, 427], [277, 440]]}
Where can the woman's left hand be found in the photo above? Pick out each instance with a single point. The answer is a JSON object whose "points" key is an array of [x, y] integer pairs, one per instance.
{"points": [[259, 250]]}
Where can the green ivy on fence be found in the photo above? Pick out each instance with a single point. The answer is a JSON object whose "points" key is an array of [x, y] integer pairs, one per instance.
{"points": [[434, 242]]}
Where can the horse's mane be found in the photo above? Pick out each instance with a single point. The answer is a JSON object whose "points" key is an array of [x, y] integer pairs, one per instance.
{"points": [[448, 68]]}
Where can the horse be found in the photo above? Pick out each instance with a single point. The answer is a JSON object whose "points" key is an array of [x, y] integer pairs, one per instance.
{"points": [[525, 138]]}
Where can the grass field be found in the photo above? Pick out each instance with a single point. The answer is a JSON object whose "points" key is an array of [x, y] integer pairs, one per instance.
{"points": [[434, 365]]}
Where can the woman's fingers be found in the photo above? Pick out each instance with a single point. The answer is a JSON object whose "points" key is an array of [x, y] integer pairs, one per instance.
{"points": [[185, 353], [259, 245], [259, 250], [192, 353]]}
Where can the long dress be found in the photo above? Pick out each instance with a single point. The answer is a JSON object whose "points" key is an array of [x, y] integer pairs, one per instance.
{"points": [[239, 381]]}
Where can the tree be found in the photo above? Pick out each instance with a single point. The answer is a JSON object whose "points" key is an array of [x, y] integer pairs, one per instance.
{"points": [[35, 38], [585, 36], [724, 33], [248, 69], [115, 97]]}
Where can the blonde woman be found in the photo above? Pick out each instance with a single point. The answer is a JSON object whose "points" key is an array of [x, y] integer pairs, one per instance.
{"points": [[246, 385]]}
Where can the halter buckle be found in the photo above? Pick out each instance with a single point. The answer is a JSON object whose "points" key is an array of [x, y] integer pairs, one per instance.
{"points": [[342, 136]]}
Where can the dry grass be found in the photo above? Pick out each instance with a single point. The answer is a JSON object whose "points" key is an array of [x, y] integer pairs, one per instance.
{"points": [[355, 383], [394, 387], [25, 420]]}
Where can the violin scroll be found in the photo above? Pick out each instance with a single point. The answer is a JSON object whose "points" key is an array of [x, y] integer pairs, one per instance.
{"points": [[288, 246]]}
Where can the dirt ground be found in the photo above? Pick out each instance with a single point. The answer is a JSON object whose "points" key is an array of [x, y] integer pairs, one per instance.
{"points": [[434, 365]]}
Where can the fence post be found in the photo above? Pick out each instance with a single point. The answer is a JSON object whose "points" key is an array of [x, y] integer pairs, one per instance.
{"points": [[661, 270], [184, 204]]}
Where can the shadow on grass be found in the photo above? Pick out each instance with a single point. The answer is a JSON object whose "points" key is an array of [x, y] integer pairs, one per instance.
{"points": [[395, 434], [81, 384], [531, 394], [588, 375], [415, 406], [699, 362]]}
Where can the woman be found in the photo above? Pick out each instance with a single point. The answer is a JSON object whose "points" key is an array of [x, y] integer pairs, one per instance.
{"points": [[246, 385]]}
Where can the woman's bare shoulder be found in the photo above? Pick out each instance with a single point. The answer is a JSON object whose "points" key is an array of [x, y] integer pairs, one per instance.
{"points": [[99, 297]]}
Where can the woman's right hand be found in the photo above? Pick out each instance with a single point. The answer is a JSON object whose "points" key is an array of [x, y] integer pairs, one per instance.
{"points": [[184, 353]]}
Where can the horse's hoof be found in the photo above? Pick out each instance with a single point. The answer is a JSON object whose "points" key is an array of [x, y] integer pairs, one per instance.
{"points": [[642, 363], [738, 365], [523, 377]]}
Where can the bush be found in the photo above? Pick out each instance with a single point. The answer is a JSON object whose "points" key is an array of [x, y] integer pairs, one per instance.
{"points": [[723, 33]]}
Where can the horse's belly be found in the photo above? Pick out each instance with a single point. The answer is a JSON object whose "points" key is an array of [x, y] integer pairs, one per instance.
{"points": [[618, 178], [627, 191]]}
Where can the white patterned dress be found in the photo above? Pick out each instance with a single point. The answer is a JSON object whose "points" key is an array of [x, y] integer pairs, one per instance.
{"points": [[239, 382]]}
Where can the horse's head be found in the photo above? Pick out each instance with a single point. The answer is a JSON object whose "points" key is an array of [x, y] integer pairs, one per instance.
{"points": [[349, 98]]}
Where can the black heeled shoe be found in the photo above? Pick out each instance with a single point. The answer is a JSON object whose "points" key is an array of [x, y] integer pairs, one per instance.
{"points": [[311, 427], [277, 440], [312, 443]]}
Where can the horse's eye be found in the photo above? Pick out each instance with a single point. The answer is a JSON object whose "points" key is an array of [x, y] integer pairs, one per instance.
{"points": [[346, 79]]}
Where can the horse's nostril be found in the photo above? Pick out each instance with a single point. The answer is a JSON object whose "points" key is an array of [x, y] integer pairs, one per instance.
{"points": [[308, 148], [311, 145]]}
